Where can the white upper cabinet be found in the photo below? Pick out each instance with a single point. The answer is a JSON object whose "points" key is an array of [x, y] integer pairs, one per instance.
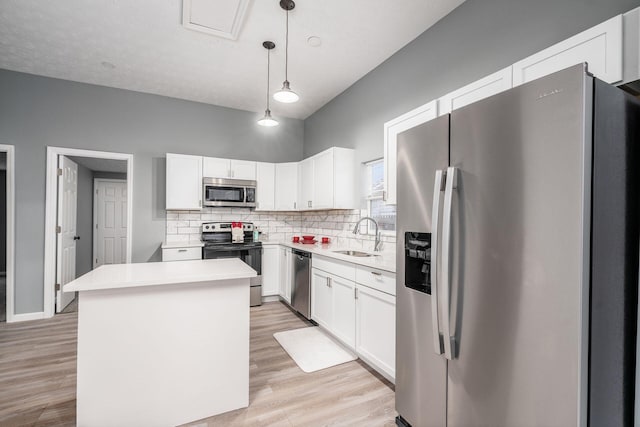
{"points": [[327, 180], [243, 169], [483, 88], [266, 186], [286, 186], [600, 47], [184, 182], [392, 128], [305, 184], [343, 180], [631, 42], [324, 189], [214, 167], [324, 171]]}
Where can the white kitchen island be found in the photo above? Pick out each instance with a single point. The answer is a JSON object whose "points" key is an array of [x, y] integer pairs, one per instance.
{"points": [[162, 344]]}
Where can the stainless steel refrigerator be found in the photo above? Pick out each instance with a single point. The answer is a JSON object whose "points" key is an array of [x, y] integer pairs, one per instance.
{"points": [[517, 260]]}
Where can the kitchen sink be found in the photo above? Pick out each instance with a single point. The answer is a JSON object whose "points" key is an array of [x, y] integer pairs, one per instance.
{"points": [[354, 253]]}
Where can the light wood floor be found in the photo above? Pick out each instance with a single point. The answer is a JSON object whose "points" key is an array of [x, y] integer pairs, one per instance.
{"points": [[38, 372], [38, 379]]}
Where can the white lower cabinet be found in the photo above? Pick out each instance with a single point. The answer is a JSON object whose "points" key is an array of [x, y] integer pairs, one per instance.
{"points": [[332, 305], [181, 254], [270, 270], [376, 329], [321, 296], [361, 317], [286, 269], [344, 310]]}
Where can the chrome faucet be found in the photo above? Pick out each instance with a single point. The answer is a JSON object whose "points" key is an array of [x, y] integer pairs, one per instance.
{"points": [[376, 246]]}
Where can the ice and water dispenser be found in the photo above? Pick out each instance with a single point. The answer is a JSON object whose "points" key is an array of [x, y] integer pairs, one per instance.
{"points": [[417, 261]]}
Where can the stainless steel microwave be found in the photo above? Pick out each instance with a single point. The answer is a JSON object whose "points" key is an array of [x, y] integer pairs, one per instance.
{"points": [[229, 192]]}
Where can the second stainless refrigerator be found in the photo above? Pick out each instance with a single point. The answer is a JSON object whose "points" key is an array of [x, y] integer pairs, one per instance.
{"points": [[517, 262]]}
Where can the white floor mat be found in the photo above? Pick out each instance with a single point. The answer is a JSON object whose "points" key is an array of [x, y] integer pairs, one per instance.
{"points": [[312, 350]]}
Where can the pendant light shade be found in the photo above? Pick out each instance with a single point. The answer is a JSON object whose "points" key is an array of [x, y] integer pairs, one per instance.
{"points": [[285, 94], [267, 120]]}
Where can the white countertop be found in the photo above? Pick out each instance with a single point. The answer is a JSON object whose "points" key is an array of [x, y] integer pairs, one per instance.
{"points": [[187, 244], [117, 276], [383, 260]]}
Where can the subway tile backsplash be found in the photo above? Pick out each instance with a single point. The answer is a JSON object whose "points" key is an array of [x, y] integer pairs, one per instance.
{"points": [[278, 226]]}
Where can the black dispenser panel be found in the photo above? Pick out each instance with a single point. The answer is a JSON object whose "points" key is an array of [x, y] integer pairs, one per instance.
{"points": [[417, 261]]}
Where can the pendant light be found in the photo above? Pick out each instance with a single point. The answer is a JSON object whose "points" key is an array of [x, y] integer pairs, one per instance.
{"points": [[286, 94], [267, 120]]}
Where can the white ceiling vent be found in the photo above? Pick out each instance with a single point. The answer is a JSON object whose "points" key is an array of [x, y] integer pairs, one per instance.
{"points": [[222, 18]]}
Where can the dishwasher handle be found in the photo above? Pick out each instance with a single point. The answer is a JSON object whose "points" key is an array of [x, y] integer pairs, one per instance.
{"points": [[300, 253]]}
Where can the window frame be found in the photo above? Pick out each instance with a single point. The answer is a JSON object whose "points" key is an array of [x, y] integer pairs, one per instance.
{"points": [[371, 197]]}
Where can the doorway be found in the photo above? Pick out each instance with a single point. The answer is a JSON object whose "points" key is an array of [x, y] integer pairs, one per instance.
{"points": [[109, 221], [7, 208], [3, 237], [91, 222], [92, 214]]}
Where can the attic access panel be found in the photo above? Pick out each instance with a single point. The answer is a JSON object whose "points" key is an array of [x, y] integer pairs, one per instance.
{"points": [[221, 18]]}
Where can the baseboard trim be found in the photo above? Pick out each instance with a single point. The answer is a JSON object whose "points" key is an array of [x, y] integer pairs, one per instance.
{"points": [[25, 317], [270, 298]]}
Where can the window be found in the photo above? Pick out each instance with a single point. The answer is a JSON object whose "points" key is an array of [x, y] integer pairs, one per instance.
{"points": [[384, 214]]}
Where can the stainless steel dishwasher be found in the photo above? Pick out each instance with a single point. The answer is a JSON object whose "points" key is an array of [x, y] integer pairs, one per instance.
{"points": [[301, 289]]}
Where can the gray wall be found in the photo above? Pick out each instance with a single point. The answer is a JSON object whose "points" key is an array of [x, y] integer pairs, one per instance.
{"points": [[37, 111], [84, 222], [477, 39]]}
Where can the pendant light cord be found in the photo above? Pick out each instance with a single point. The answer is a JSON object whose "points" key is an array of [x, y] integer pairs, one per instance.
{"points": [[286, 51], [268, 71]]}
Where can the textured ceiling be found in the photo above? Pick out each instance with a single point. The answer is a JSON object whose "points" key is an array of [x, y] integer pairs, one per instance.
{"points": [[153, 53]]}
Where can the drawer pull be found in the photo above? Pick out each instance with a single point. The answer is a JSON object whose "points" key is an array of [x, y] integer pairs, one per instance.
{"points": [[375, 273], [182, 250]]}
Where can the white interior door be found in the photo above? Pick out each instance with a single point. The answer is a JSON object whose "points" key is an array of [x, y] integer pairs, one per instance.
{"points": [[110, 222], [67, 238]]}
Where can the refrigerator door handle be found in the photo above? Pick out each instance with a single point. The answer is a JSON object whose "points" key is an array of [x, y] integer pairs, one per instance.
{"points": [[451, 184], [438, 187]]}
